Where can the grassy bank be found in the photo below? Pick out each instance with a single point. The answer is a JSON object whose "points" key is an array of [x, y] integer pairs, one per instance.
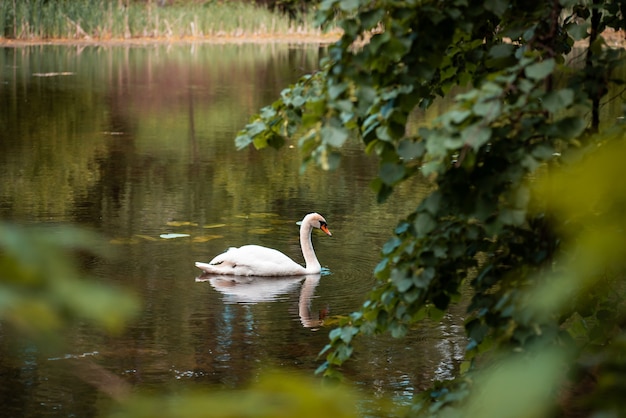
{"points": [[29, 20]]}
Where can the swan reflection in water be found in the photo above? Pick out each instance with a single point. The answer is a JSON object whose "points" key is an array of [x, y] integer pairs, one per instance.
{"points": [[255, 289]]}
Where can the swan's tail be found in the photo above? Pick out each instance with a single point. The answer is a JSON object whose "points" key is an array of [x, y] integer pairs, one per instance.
{"points": [[206, 267]]}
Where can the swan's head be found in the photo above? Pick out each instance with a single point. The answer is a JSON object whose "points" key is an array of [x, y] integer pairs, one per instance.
{"points": [[316, 221]]}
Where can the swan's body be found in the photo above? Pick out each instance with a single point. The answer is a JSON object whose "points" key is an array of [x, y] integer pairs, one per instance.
{"points": [[255, 260]]}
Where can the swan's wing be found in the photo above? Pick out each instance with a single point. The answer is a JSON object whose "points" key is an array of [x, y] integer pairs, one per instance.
{"points": [[225, 258], [252, 260]]}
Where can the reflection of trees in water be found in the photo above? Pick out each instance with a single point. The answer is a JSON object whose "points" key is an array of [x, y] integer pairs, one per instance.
{"points": [[47, 160], [78, 152], [156, 79], [184, 104]]}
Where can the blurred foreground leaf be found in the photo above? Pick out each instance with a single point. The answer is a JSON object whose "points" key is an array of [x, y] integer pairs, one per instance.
{"points": [[41, 288], [590, 206], [517, 387], [275, 395]]}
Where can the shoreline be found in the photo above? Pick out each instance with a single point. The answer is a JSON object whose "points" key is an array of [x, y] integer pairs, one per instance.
{"points": [[295, 38], [612, 38]]}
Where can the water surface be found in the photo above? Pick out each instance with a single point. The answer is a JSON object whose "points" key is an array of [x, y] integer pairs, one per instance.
{"points": [[138, 142]]}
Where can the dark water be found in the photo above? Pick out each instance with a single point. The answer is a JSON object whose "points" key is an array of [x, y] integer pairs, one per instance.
{"points": [[139, 142]]}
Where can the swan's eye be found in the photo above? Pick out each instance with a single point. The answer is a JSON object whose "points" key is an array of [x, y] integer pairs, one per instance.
{"points": [[322, 223]]}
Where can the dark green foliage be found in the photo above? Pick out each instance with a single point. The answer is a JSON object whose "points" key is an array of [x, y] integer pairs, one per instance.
{"points": [[523, 105], [293, 8]]}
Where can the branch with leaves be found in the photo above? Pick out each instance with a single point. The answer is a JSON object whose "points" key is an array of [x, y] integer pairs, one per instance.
{"points": [[524, 106]]}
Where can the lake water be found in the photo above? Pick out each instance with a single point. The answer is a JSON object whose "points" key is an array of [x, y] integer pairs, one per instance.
{"points": [[138, 142]]}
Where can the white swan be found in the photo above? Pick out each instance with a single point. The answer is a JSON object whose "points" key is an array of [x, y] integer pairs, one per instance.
{"points": [[254, 260]]}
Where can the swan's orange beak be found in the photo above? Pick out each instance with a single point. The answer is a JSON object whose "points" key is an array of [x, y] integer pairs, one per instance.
{"points": [[324, 228]]}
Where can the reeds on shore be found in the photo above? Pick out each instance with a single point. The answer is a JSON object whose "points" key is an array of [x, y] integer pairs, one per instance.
{"points": [[114, 19]]}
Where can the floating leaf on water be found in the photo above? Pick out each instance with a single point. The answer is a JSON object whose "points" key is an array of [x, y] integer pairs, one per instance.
{"points": [[258, 215], [123, 241], [74, 356], [53, 74], [181, 223], [213, 226], [171, 236], [205, 238], [261, 231], [145, 237]]}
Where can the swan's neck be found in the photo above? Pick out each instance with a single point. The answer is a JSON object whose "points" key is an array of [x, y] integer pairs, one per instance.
{"points": [[312, 265]]}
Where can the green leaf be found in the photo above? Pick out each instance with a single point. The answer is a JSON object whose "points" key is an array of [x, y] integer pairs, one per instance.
{"points": [[334, 334], [457, 116], [423, 279], [501, 51], [395, 49], [498, 7], [383, 133], [242, 140], [391, 173], [366, 94], [371, 18], [558, 100], [476, 330], [267, 112], [256, 127], [327, 5], [350, 27], [378, 41], [488, 109], [391, 245], [348, 5], [314, 110], [402, 228], [273, 140], [297, 101], [381, 267], [347, 333], [514, 217], [408, 150], [334, 136], [440, 251], [401, 280], [568, 128], [424, 223], [543, 152], [454, 142], [476, 136], [578, 31], [431, 167], [540, 70], [336, 90], [431, 203], [397, 330]]}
